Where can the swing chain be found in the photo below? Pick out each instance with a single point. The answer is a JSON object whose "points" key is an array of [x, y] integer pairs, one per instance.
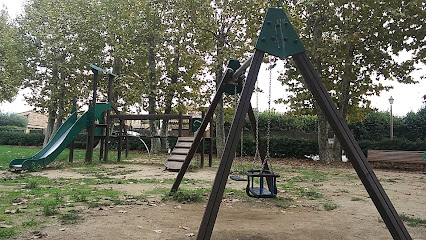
{"points": [[269, 116], [257, 125]]}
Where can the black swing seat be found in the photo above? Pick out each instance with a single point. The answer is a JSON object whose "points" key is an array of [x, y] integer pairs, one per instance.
{"points": [[237, 178], [261, 192]]}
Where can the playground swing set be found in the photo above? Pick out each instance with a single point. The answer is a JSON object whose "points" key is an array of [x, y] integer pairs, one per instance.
{"points": [[277, 38]]}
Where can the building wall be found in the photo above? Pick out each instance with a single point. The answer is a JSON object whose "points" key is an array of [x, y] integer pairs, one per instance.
{"points": [[35, 120]]}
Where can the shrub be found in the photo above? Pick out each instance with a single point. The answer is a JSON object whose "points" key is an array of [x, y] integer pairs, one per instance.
{"points": [[20, 139], [282, 146], [12, 119], [395, 144]]}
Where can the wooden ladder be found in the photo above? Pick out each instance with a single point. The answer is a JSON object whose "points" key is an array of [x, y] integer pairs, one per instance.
{"points": [[177, 156]]}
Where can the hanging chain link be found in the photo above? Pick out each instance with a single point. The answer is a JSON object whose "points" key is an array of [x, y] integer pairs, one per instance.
{"points": [[235, 171], [268, 131], [256, 155]]}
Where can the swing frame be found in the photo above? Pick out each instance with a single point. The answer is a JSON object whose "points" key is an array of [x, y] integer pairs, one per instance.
{"points": [[278, 38]]}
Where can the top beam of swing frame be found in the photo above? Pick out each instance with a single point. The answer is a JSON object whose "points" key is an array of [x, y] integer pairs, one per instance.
{"points": [[276, 44]]}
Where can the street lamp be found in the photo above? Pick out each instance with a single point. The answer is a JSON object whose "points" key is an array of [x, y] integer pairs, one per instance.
{"points": [[391, 117]]}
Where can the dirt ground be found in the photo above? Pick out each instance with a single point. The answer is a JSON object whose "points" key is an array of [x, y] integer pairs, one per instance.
{"points": [[239, 219]]}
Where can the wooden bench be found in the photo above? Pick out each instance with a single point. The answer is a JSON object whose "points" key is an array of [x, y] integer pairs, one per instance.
{"points": [[392, 156]]}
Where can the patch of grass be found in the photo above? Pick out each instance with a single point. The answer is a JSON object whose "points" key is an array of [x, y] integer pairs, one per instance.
{"points": [[355, 199], [121, 172], [7, 232], [70, 218], [186, 196], [32, 184], [329, 206], [30, 223], [283, 202], [50, 208], [413, 221], [310, 194]]}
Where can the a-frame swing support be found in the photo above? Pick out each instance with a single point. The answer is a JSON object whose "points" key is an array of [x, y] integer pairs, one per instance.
{"points": [[279, 38]]}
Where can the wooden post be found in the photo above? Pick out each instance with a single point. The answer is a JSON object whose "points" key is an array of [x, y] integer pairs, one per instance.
{"points": [[91, 128], [102, 137], [215, 199], [180, 124], [126, 140], [352, 149], [120, 143], [108, 119], [218, 96], [202, 143], [71, 154], [211, 143]]}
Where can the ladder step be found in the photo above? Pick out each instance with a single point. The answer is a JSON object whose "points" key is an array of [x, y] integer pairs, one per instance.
{"points": [[183, 151], [178, 158], [183, 145], [186, 139], [173, 165]]}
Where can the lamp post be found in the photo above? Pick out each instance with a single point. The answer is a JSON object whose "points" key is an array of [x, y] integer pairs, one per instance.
{"points": [[391, 117]]}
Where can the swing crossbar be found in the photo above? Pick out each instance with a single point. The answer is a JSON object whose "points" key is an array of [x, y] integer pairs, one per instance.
{"points": [[261, 192]]}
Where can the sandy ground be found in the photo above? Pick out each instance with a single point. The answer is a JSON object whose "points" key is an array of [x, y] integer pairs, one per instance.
{"points": [[237, 219]]}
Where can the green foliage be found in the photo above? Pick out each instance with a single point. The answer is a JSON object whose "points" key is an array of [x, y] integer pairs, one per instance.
{"points": [[12, 119], [50, 208], [413, 221], [20, 139], [188, 196], [12, 63], [282, 146], [285, 123], [329, 206], [376, 126], [6, 232], [395, 144], [70, 217], [30, 223]]}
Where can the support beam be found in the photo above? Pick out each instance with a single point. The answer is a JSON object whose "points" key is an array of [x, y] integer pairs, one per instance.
{"points": [[218, 96], [352, 149], [149, 116], [215, 199]]}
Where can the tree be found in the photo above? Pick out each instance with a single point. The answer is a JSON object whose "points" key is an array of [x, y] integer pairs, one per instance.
{"points": [[232, 27], [11, 60], [352, 45], [52, 31]]}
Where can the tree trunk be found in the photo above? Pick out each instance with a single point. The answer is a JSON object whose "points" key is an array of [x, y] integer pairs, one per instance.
{"points": [[323, 146], [50, 124], [324, 150], [220, 128], [347, 77], [61, 103], [155, 142], [169, 98], [52, 108]]}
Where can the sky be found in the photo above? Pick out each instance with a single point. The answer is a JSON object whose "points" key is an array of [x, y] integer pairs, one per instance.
{"points": [[406, 97]]}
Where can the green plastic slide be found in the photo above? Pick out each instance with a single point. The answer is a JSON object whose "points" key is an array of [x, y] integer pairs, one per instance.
{"points": [[62, 138]]}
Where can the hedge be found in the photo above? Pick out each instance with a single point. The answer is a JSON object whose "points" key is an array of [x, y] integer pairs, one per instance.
{"points": [[20, 138]]}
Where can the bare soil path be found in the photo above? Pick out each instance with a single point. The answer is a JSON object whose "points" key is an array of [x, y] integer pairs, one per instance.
{"points": [[354, 218]]}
